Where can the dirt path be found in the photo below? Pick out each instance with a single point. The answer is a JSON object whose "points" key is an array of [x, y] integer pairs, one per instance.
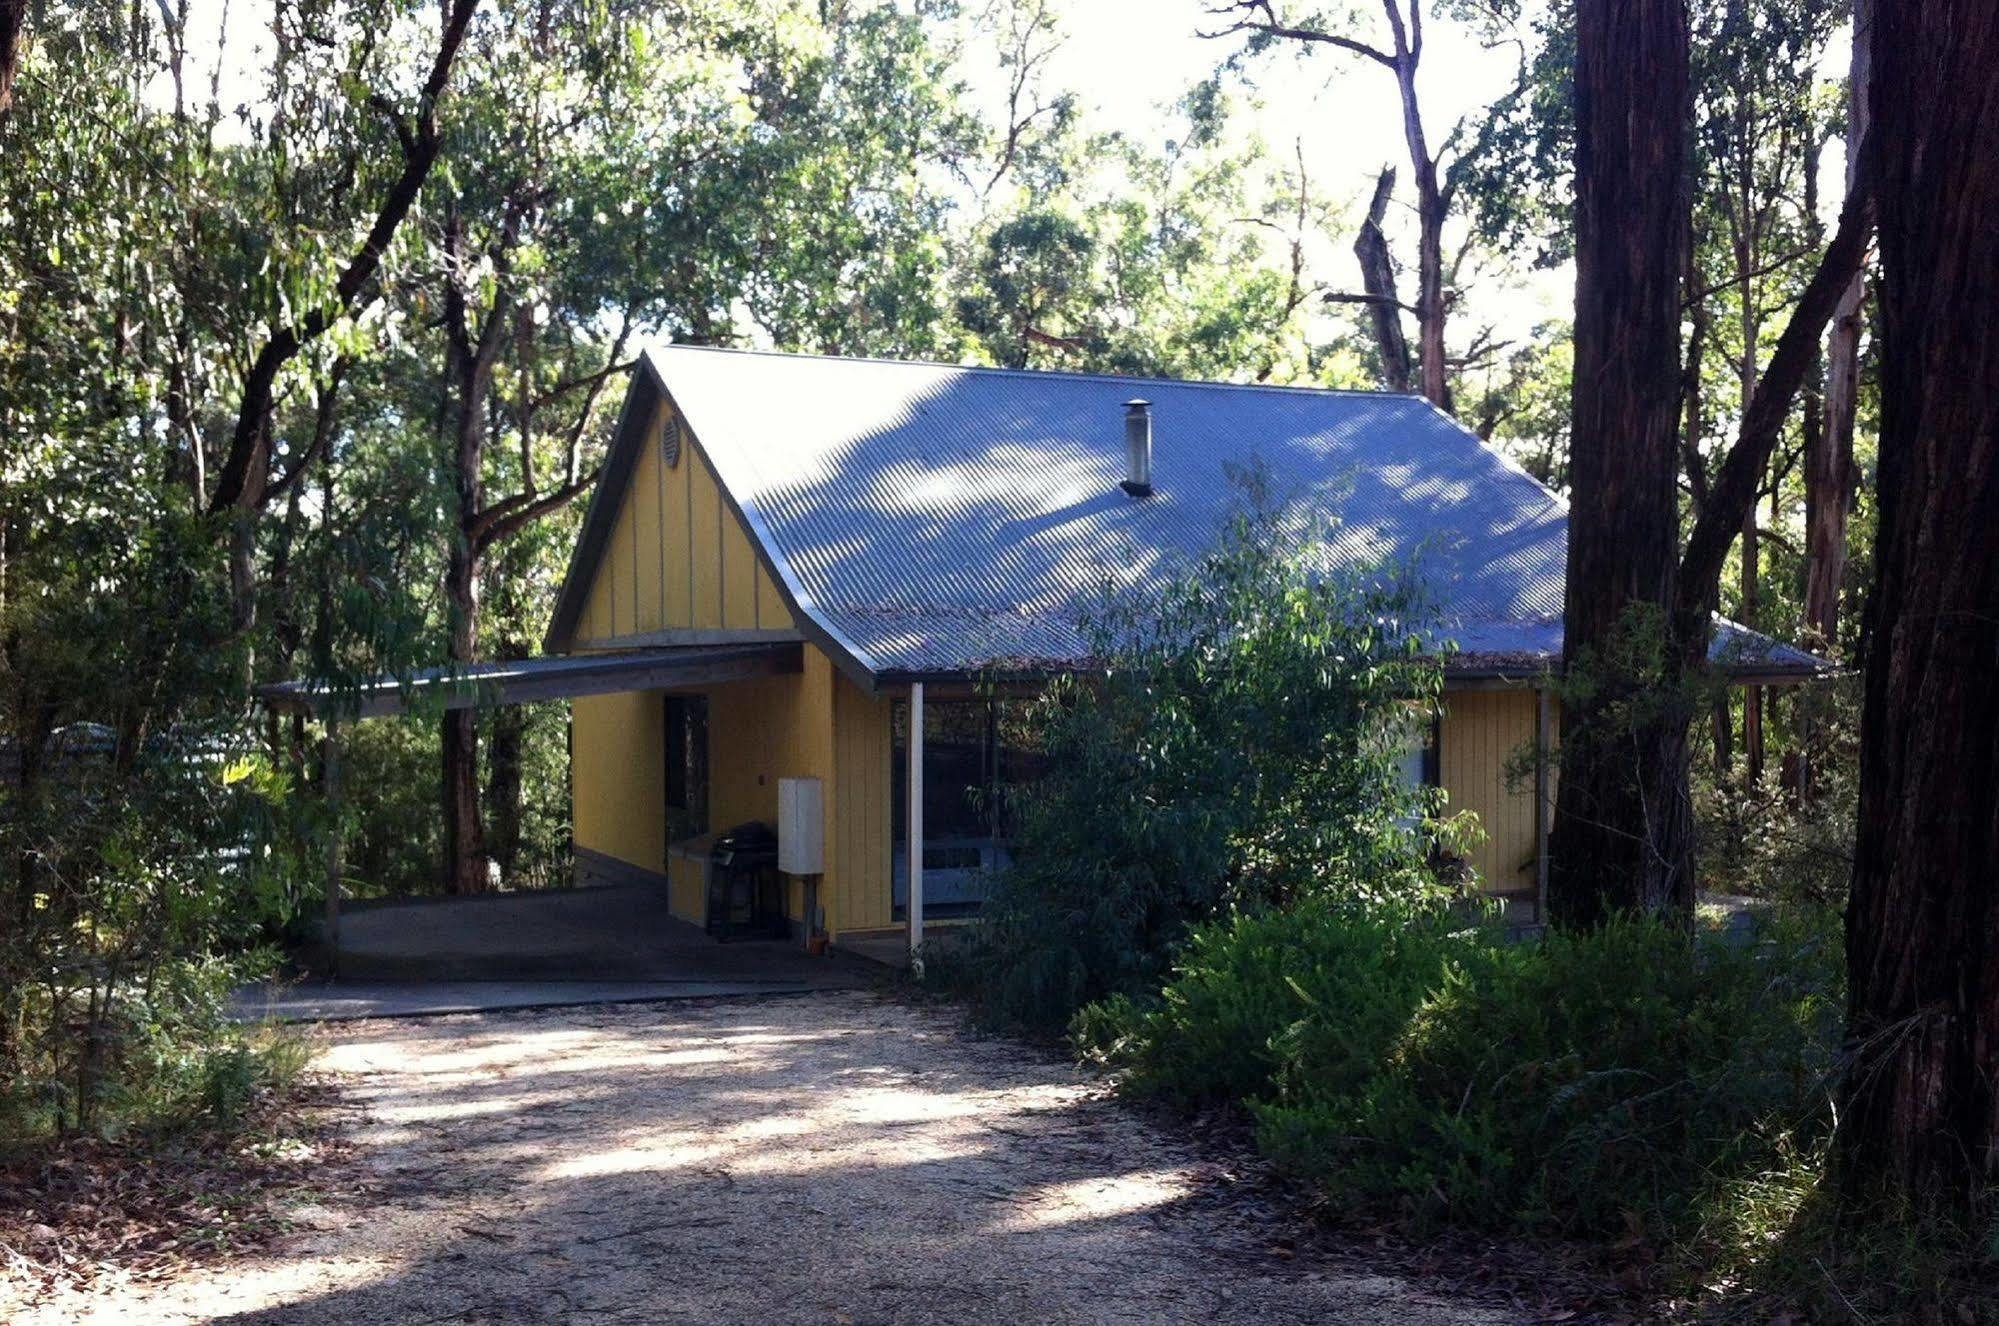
{"points": [[827, 1158]]}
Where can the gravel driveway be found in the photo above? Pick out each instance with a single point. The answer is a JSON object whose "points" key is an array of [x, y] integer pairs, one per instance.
{"points": [[827, 1158]]}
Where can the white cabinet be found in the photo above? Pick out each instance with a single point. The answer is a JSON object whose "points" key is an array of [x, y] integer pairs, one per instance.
{"points": [[801, 826]]}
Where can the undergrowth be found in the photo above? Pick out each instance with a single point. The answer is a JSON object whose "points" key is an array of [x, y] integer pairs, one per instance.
{"points": [[1659, 1093]]}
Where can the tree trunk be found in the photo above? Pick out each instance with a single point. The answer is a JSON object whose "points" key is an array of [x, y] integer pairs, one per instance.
{"points": [[11, 14], [1919, 1117], [465, 861], [1377, 276], [1748, 237], [1431, 209], [1829, 468], [503, 787], [470, 365], [1623, 821]]}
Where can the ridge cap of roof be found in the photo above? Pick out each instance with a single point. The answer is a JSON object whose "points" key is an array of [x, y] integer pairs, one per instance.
{"points": [[1061, 374]]}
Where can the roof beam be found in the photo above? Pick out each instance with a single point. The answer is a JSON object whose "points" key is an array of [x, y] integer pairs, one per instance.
{"points": [[492, 685]]}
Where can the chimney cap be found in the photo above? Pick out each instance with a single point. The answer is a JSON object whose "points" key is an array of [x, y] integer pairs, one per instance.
{"points": [[1138, 405]]}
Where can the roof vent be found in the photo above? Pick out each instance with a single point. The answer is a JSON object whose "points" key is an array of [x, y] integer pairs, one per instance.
{"points": [[1137, 448]]}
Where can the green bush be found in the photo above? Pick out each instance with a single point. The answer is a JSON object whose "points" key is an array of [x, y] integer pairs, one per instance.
{"points": [[1248, 995], [1589, 1083], [1240, 747]]}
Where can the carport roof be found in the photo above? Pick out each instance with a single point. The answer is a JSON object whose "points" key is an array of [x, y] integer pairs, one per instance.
{"points": [[488, 685]]}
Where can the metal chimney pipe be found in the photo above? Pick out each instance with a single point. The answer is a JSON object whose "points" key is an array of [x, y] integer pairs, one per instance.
{"points": [[1137, 448]]}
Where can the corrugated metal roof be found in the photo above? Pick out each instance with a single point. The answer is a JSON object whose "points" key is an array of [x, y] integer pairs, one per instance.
{"points": [[934, 520], [522, 681]]}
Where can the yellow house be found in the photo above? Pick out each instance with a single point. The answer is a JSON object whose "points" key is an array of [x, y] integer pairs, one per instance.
{"points": [[837, 551]]}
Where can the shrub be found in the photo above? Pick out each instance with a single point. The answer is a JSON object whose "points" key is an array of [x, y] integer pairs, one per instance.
{"points": [[1588, 1083], [1240, 747], [1249, 994]]}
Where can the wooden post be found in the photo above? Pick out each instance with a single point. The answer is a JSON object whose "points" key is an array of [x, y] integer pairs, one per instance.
{"points": [[335, 845], [1542, 811], [915, 821]]}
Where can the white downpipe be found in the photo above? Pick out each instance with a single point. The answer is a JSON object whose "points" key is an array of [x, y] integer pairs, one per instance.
{"points": [[915, 821]]}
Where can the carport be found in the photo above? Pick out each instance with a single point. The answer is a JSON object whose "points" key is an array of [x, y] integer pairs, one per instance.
{"points": [[609, 934]]}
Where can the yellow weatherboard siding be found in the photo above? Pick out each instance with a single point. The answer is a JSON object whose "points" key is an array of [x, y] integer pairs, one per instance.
{"points": [[648, 601], [677, 557], [617, 773], [1482, 732]]}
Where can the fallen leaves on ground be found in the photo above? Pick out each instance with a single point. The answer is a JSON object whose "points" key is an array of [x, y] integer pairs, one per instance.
{"points": [[85, 1207]]}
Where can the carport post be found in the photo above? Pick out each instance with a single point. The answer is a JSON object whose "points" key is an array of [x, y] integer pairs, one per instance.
{"points": [[914, 850], [335, 863]]}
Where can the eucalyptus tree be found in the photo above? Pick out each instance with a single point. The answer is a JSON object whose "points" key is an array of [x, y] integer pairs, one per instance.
{"points": [[694, 169], [1622, 825], [1197, 258], [120, 684], [840, 188], [1641, 595], [535, 306], [1438, 169], [1758, 125], [311, 287], [1919, 1116]]}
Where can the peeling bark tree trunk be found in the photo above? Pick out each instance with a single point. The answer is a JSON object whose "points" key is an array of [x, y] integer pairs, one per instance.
{"points": [[244, 479], [1919, 1115], [1377, 275], [1623, 822]]}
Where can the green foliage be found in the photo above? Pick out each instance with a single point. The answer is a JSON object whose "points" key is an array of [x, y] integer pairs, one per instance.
{"points": [[1787, 837], [1591, 1083], [1250, 995], [1624, 1079], [1240, 746]]}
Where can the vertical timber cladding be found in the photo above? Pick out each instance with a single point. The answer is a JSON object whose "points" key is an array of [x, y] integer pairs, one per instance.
{"points": [[1483, 732], [617, 776], [858, 826], [677, 559]]}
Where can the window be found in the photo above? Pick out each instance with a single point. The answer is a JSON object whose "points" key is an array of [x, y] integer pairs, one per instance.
{"points": [[973, 751], [686, 766], [1420, 761]]}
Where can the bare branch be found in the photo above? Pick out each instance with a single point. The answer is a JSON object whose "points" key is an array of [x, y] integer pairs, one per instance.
{"points": [[1247, 19]]}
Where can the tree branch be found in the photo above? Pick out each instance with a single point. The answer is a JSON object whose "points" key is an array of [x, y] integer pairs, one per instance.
{"points": [[492, 531], [561, 389], [322, 428], [1268, 26], [1382, 301], [240, 485], [1733, 489]]}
